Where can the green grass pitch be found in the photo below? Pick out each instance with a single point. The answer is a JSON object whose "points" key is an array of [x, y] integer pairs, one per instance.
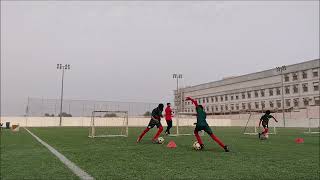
{"points": [[279, 157]]}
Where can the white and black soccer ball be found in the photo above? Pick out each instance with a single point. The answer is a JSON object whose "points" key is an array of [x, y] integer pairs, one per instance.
{"points": [[196, 146], [160, 140]]}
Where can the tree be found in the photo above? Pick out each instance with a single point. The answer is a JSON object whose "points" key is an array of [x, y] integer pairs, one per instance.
{"points": [[64, 114], [148, 113], [110, 115]]}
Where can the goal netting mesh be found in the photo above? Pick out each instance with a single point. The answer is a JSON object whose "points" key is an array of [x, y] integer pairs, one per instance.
{"points": [[108, 124]]}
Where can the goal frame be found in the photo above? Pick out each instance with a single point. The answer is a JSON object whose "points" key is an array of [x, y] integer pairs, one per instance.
{"points": [[309, 128], [178, 117], [92, 125]]}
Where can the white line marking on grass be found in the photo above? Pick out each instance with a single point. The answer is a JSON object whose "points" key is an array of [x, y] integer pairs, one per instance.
{"points": [[73, 167]]}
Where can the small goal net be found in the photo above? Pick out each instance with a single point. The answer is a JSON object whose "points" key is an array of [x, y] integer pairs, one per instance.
{"points": [[108, 124], [252, 124], [183, 124]]}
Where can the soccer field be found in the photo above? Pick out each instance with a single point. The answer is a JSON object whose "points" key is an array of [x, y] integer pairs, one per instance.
{"points": [[279, 157]]}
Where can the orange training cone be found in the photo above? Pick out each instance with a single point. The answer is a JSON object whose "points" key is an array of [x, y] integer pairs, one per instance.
{"points": [[171, 144]]}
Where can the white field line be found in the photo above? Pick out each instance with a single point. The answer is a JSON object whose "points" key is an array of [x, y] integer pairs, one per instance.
{"points": [[73, 167]]}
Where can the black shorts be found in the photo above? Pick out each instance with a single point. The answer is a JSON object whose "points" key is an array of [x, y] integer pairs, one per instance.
{"points": [[153, 123], [264, 125], [207, 129]]}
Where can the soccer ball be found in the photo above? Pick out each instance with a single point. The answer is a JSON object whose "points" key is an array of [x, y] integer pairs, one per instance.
{"points": [[264, 136], [160, 140], [196, 146]]}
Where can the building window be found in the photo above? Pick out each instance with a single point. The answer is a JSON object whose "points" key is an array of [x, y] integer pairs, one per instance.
{"points": [[243, 106], [278, 91], [237, 97], [305, 87], [263, 105], [270, 92], [199, 101], [212, 99], [249, 106], [315, 72], [207, 99], [271, 104], [287, 89], [231, 97], [226, 97], [262, 93], [221, 98], [204, 100], [295, 76], [296, 102], [316, 86], [304, 75], [207, 109], [278, 103], [221, 107], [249, 94], [243, 95], [306, 101], [217, 108], [288, 102], [232, 107], [237, 106], [256, 105], [216, 98], [317, 100], [226, 106], [295, 88], [256, 94], [286, 77]]}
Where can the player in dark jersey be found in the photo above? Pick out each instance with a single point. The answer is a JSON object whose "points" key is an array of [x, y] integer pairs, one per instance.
{"points": [[203, 125], [265, 121], [154, 121]]}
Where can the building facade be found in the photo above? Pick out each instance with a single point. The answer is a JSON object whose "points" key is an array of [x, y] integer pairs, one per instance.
{"points": [[257, 91]]}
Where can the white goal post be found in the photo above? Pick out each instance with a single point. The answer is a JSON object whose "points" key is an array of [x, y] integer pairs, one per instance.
{"points": [[108, 124], [183, 124], [313, 123]]}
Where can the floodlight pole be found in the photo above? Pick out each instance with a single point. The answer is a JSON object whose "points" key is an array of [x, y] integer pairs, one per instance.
{"points": [[281, 69], [177, 76], [63, 68]]}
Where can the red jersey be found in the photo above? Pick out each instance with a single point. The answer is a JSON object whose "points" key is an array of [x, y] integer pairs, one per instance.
{"points": [[168, 112]]}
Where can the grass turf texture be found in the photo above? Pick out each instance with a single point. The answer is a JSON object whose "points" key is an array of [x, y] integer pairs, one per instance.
{"points": [[22, 157], [279, 157]]}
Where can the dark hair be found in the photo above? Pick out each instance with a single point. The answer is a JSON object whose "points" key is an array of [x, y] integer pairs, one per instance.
{"points": [[200, 106], [268, 112], [168, 104], [160, 106]]}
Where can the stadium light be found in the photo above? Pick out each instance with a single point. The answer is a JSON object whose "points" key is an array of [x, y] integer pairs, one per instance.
{"points": [[63, 68], [177, 76], [281, 69]]}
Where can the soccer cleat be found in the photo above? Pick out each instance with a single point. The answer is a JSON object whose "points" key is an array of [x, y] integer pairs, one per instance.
{"points": [[138, 140], [167, 133], [226, 149]]}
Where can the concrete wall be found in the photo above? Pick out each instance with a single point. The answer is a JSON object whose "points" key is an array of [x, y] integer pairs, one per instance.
{"points": [[293, 119]]}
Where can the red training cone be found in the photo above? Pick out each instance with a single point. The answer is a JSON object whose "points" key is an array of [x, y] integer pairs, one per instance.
{"points": [[171, 144], [299, 140]]}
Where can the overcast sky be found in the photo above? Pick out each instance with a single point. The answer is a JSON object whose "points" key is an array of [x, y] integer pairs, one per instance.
{"points": [[127, 51]]}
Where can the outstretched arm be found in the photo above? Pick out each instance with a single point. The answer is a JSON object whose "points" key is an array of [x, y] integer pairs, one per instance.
{"points": [[260, 122], [193, 101], [275, 119]]}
